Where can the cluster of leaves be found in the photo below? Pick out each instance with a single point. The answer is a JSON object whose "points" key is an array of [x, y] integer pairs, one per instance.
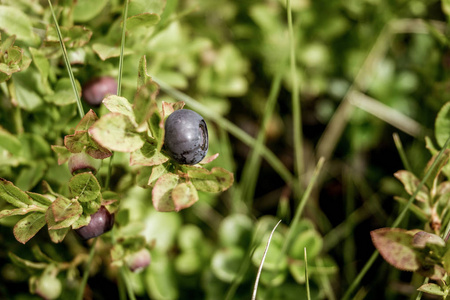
{"points": [[417, 250]]}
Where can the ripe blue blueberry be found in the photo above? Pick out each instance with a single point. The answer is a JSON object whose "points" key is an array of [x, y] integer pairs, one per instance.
{"points": [[186, 137]]}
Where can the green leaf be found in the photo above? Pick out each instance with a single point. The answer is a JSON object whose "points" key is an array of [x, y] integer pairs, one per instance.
{"points": [[395, 245], [26, 228], [157, 128], [162, 192], [29, 176], [140, 6], [107, 51], [62, 153], [226, 263], [86, 10], [26, 264], [116, 132], [73, 37], [85, 187], [142, 20], [39, 199], [58, 235], [308, 239], [117, 104], [27, 86], [411, 182], [214, 181], [43, 65], [144, 105], [9, 142], [157, 172], [148, 155], [20, 211], [184, 195], [15, 22], [442, 124], [83, 220], [431, 288], [160, 277], [13, 195], [142, 177], [6, 44], [63, 93]]}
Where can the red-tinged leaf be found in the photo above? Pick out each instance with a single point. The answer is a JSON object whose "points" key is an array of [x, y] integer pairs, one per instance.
{"points": [[116, 132], [214, 181], [64, 208], [62, 153], [395, 245], [411, 182], [184, 195], [76, 142], [168, 108], [58, 235], [162, 192], [148, 155], [87, 121], [423, 239], [209, 159], [13, 195], [26, 228], [97, 151]]}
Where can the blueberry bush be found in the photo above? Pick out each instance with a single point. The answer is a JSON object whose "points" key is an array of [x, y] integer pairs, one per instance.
{"points": [[165, 149]]}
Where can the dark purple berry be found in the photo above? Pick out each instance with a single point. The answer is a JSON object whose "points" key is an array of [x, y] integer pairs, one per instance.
{"points": [[95, 90], [186, 137], [101, 222], [82, 162]]}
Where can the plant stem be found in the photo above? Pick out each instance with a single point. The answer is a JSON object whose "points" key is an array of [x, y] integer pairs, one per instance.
{"points": [[296, 106], [122, 46], [86, 271], [301, 205], [308, 293], [252, 164], [123, 273], [401, 152], [67, 62]]}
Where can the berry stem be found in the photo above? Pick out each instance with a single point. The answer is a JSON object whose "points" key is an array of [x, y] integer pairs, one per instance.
{"points": [[86, 271]]}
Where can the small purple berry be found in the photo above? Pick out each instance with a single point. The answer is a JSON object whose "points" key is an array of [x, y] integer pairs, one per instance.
{"points": [[95, 90], [101, 222]]}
